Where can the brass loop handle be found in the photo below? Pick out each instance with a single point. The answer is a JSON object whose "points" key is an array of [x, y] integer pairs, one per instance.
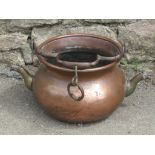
{"points": [[74, 83]]}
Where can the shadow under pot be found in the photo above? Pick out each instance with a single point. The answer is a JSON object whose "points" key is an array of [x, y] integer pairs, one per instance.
{"points": [[79, 79]]}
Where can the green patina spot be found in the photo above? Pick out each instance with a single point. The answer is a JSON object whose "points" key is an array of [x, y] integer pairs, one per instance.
{"points": [[134, 64]]}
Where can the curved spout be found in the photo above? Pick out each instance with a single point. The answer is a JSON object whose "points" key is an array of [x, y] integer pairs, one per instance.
{"points": [[28, 78], [131, 84]]}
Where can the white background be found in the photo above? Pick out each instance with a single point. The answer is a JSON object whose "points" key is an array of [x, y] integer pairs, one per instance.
{"points": [[77, 9]]}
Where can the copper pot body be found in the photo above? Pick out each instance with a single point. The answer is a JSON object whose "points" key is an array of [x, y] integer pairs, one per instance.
{"points": [[104, 91], [103, 86]]}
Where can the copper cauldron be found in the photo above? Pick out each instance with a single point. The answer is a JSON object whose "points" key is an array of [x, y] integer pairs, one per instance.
{"points": [[79, 79]]}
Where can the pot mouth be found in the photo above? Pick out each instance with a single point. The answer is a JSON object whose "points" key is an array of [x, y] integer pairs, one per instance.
{"points": [[88, 52]]}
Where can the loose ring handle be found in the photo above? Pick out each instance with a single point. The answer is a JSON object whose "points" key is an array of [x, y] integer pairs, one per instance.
{"points": [[75, 83]]}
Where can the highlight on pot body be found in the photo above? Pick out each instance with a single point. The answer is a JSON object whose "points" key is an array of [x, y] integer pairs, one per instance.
{"points": [[79, 79]]}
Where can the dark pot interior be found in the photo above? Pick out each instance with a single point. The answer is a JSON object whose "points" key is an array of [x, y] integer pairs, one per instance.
{"points": [[79, 55]]}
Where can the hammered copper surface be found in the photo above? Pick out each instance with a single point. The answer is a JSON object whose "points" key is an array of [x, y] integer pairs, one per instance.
{"points": [[104, 91]]}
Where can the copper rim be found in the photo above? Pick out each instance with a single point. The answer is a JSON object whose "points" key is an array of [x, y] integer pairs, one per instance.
{"points": [[42, 59]]}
